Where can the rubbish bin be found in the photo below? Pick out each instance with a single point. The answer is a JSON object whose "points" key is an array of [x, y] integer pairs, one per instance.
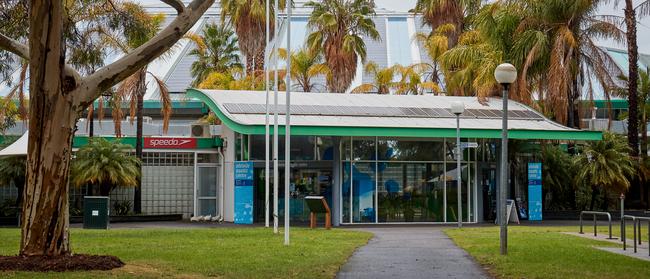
{"points": [[96, 212]]}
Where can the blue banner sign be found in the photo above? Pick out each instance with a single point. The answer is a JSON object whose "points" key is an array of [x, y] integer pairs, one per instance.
{"points": [[535, 191], [243, 192]]}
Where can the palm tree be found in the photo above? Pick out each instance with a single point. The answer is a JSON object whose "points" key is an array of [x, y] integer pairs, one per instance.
{"points": [[338, 27], [143, 27], [605, 165], [383, 79], [247, 16], [411, 81], [306, 65], [236, 79], [633, 68], [107, 164], [13, 168], [216, 51], [643, 93], [435, 44], [436, 13]]}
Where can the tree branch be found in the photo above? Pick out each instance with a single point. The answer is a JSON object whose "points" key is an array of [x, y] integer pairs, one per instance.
{"points": [[103, 79], [176, 4], [14, 46]]}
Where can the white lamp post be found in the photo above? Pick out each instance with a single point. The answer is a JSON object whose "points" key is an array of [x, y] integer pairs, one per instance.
{"points": [[287, 132], [457, 108], [505, 74]]}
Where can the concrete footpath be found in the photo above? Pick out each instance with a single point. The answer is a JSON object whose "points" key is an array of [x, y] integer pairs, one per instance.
{"points": [[410, 252]]}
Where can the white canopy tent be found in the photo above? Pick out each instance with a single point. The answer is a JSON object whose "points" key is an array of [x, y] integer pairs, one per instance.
{"points": [[18, 148]]}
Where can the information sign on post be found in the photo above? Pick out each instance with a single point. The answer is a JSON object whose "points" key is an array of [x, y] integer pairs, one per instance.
{"points": [[243, 192], [535, 191]]}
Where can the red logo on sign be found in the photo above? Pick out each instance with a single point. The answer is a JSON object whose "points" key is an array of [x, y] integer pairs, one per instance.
{"points": [[169, 143]]}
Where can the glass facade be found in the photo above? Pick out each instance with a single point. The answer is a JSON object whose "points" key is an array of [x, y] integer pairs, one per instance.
{"points": [[405, 180]]}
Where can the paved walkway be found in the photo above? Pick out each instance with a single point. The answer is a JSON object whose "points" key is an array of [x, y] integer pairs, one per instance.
{"points": [[410, 252]]}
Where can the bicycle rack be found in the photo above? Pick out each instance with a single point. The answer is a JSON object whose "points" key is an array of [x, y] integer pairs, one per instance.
{"points": [[596, 213], [638, 225]]}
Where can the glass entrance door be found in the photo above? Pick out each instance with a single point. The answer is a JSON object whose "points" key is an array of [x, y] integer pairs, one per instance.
{"points": [[206, 190]]}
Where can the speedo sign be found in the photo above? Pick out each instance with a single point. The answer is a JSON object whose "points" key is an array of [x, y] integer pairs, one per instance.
{"points": [[166, 143]]}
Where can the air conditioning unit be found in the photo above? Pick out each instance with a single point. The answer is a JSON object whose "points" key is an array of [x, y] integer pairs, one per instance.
{"points": [[145, 119], [200, 130]]}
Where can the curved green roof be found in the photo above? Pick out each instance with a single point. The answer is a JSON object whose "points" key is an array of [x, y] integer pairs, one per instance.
{"points": [[561, 133]]}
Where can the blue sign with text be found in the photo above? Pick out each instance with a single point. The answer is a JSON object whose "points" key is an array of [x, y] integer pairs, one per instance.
{"points": [[243, 192], [535, 191]]}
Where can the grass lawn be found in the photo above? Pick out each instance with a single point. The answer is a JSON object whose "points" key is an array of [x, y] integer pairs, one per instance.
{"points": [[223, 252], [545, 252]]}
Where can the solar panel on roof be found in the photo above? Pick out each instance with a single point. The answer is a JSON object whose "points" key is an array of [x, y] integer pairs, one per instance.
{"points": [[374, 111]]}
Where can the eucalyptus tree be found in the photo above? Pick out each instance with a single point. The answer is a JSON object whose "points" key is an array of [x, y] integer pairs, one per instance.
{"points": [[338, 27], [46, 33], [216, 51], [306, 65], [248, 19]]}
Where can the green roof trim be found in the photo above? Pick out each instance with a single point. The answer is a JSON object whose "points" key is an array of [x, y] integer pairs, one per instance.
{"points": [[394, 131], [201, 143], [616, 104]]}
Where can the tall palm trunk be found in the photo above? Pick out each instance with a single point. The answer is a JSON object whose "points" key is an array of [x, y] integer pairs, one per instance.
{"points": [[633, 77], [142, 88]]}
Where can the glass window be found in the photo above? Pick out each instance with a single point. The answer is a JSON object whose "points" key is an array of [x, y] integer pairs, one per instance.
{"points": [[399, 42], [207, 158], [410, 192], [324, 148], [363, 192], [345, 193], [303, 148], [402, 150], [452, 192], [363, 149]]}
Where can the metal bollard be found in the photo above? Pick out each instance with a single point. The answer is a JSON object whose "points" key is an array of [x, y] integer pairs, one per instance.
{"points": [[595, 230], [623, 236]]}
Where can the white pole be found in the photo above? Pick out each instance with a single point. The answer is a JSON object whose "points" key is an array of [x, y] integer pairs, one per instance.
{"points": [[266, 123], [275, 120], [287, 131]]}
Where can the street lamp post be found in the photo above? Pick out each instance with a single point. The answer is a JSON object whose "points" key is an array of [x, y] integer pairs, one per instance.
{"points": [[457, 108], [505, 74]]}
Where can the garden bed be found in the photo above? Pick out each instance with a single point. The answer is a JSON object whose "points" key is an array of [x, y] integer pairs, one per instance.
{"points": [[59, 263]]}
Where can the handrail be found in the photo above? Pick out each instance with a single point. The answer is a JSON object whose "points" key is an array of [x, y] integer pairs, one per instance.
{"points": [[595, 213], [638, 221], [623, 235]]}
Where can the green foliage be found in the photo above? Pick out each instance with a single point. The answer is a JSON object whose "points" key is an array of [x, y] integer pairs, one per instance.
{"points": [[9, 114], [216, 51], [605, 164], [8, 208], [105, 163], [12, 168], [558, 171], [121, 208]]}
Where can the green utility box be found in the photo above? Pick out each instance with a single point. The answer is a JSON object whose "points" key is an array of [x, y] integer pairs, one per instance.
{"points": [[96, 212]]}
